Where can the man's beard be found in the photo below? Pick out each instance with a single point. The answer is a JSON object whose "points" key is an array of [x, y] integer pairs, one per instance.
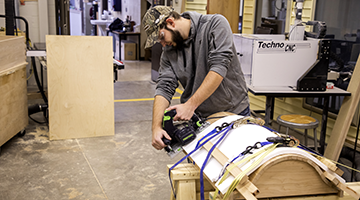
{"points": [[177, 39]]}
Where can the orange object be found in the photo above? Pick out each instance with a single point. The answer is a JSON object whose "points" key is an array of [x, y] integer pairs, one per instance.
{"points": [[22, 2]]}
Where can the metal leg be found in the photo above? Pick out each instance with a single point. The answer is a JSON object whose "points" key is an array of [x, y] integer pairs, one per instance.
{"points": [[279, 128], [315, 140], [139, 47], [268, 109], [287, 130], [305, 138], [119, 47], [323, 125]]}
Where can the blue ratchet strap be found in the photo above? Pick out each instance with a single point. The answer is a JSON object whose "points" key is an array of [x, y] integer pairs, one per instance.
{"points": [[207, 158], [300, 146], [216, 130]]}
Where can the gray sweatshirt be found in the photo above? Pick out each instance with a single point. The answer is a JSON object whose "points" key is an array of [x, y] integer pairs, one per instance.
{"points": [[209, 47]]}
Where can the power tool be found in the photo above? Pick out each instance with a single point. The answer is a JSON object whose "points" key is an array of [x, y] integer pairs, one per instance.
{"points": [[181, 134]]}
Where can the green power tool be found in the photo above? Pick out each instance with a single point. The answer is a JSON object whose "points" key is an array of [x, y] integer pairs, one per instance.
{"points": [[181, 134]]}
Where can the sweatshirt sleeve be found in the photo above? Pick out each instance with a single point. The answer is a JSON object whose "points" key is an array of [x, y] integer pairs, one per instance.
{"points": [[220, 45], [167, 81]]}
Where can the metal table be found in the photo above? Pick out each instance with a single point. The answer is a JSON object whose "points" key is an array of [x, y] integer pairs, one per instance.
{"points": [[283, 91]]}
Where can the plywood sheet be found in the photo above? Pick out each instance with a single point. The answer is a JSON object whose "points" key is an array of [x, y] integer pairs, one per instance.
{"points": [[13, 101], [80, 86]]}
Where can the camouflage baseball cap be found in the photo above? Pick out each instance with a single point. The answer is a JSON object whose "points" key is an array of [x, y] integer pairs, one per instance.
{"points": [[151, 21]]}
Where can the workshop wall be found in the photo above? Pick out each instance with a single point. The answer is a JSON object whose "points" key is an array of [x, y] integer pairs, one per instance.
{"points": [[2, 12]]}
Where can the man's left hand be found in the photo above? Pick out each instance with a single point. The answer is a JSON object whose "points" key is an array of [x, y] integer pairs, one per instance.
{"points": [[184, 112]]}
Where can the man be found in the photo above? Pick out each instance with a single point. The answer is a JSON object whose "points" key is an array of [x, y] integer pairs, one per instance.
{"points": [[199, 53]]}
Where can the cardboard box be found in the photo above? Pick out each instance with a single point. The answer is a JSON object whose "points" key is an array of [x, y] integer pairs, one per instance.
{"points": [[128, 50]]}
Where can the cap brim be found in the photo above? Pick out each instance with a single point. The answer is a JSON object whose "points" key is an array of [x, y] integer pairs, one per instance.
{"points": [[152, 39]]}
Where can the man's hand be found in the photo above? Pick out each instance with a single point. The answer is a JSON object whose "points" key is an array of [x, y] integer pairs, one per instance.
{"points": [[208, 86], [157, 136], [184, 111]]}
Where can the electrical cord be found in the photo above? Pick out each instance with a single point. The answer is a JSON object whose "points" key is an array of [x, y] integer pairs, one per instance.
{"points": [[294, 27], [32, 72]]}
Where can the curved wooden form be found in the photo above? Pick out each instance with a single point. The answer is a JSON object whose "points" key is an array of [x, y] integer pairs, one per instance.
{"points": [[291, 175], [216, 116]]}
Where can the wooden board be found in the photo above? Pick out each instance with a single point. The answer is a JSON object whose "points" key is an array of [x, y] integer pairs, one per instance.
{"points": [[346, 113], [13, 101], [80, 86], [12, 52]]}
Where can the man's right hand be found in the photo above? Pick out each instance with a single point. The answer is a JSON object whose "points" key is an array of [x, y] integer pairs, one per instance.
{"points": [[157, 136]]}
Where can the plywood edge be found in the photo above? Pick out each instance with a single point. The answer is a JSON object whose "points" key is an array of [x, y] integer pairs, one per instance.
{"points": [[216, 116], [55, 137], [13, 69], [9, 37]]}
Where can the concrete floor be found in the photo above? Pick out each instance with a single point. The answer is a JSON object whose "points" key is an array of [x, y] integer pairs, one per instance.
{"points": [[120, 167]]}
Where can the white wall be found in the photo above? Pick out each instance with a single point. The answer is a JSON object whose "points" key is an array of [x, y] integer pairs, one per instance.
{"points": [[131, 8], [52, 19], [40, 16], [2, 12], [31, 13]]}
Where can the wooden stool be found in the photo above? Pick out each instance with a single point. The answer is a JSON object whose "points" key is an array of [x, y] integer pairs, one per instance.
{"points": [[300, 122]]}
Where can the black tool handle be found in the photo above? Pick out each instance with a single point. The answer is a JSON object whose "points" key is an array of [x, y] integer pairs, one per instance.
{"points": [[275, 139], [166, 141]]}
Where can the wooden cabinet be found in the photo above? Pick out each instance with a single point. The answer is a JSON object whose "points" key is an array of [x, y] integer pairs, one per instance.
{"points": [[13, 90]]}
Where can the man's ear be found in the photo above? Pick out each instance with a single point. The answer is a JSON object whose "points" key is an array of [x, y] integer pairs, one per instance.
{"points": [[171, 21]]}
